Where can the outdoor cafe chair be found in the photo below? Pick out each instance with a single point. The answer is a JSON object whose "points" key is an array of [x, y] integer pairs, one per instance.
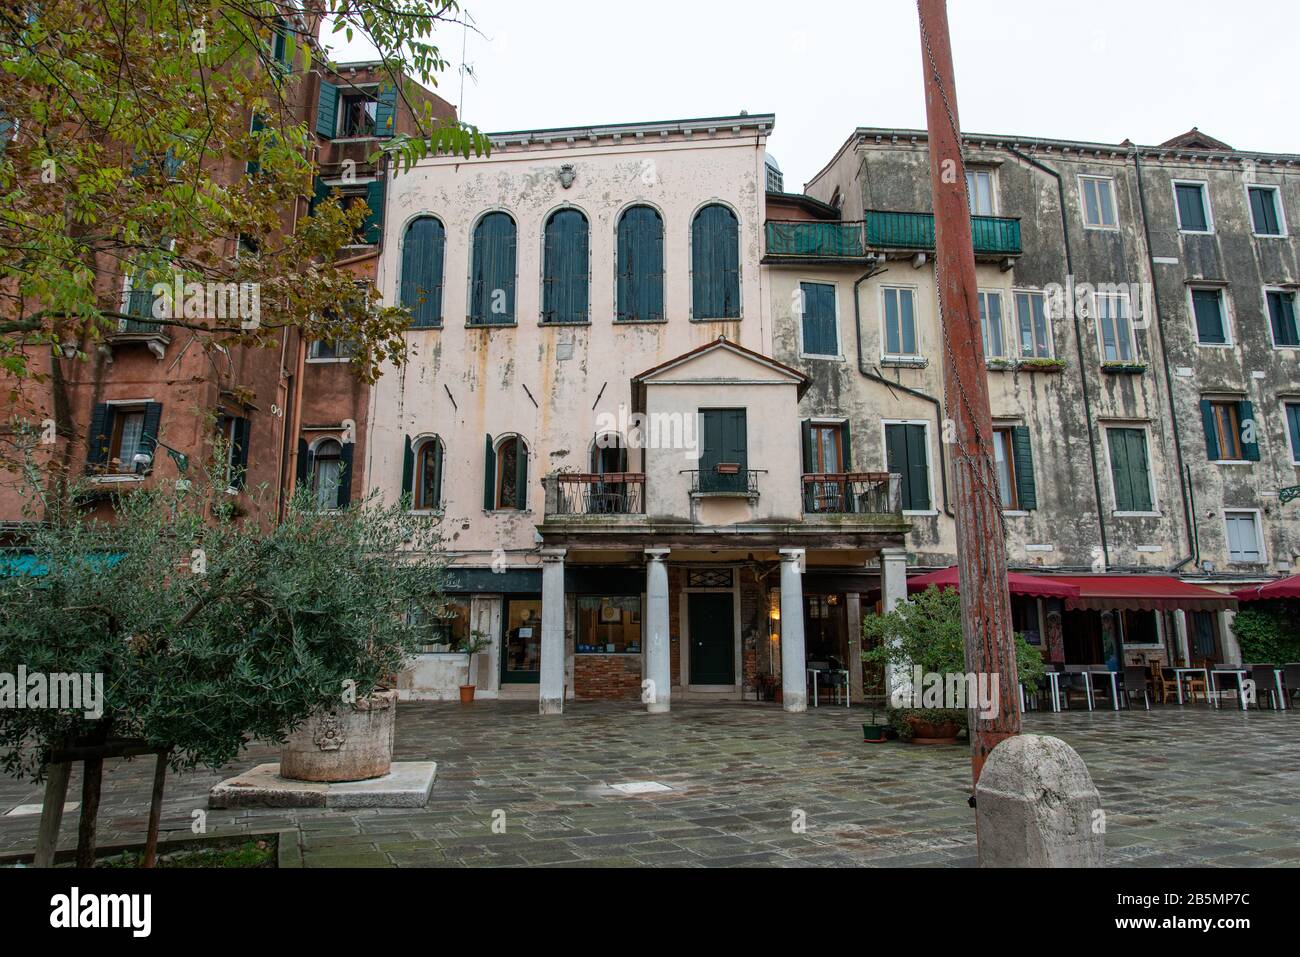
{"points": [[1196, 683], [1132, 679], [1265, 684], [1291, 679]]}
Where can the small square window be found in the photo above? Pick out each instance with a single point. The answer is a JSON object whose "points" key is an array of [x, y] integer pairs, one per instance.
{"points": [[979, 187], [1035, 337], [1266, 210], [1211, 323], [900, 322], [1098, 202], [1245, 543], [1115, 329], [991, 325], [1193, 207], [1282, 317]]}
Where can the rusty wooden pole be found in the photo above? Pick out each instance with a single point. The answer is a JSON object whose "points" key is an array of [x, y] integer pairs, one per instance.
{"points": [[981, 544], [155, 811]]}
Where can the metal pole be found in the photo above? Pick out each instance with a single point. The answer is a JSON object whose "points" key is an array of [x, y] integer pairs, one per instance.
{"points": [[981, 545]]}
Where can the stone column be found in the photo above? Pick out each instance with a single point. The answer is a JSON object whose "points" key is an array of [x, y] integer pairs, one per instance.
{"points": [[658, 684], [550, 697], [1228, 639], [794, 674], [853, 612], [893, 591], [1181, 642]]}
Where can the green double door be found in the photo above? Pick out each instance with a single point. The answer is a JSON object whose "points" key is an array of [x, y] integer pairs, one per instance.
{"points": [[713, 646]]}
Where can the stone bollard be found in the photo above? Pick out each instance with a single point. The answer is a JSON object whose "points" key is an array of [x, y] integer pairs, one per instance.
{"points": [[1036, 806]]}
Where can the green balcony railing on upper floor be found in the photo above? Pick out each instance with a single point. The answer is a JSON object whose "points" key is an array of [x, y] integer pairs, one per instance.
{"points": [[889, 229], [816, 240]]}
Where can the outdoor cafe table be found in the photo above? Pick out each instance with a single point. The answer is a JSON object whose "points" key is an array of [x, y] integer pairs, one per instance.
{"points": [[1114, 685], [1178, 681], [1054, 678], [814, 672], [1240, 674]]}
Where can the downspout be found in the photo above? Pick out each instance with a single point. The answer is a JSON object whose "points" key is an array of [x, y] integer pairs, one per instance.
{"points": [[1078, 342], [875, 270], [1189, 510]]}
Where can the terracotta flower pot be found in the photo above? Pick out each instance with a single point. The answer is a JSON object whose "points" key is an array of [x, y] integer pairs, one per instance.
{"points": [[467, 694], [933, 732]]}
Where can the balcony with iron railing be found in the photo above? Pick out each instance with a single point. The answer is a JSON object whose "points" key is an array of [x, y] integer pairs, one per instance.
{"points": [[725, 481], [595, 494], [139, 301], [852, 493], [994, 237]]}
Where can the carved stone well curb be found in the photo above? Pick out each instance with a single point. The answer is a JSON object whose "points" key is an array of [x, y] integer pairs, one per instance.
{"points": [[344, 743]]}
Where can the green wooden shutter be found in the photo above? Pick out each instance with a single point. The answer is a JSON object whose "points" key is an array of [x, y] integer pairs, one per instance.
{"points": [[493, 268], [304, 464], [715, 264], [1207, 307], [423, 249], [1249, 427], [437, 472], [1140, 470], [149, 431], [565, 267], [898, 449], [640, 265], [521, 474], [489, 474], [1211, 432], [819, 333], [1026, 490], [345, 475], [805, 431], [100, 434], [1119, 470], [319, 193], [374, 223], [327, 108], [408, 467], [386, 111], [846, 446], [918, 466], [239, 455]]}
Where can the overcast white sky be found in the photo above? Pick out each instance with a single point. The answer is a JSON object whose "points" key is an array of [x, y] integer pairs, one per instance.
{"points": [[1100, 70]]}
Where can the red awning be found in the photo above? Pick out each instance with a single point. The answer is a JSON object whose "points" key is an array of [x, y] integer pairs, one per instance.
{"points": [[1020, 584], [1143, 592], [1282, 588]]}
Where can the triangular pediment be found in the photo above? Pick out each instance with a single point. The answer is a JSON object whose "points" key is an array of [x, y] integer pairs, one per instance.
{"points": [[720, 362]]}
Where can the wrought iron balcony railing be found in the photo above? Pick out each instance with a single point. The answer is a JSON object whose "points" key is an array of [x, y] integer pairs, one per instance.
{"points": [[851, 493], [890, 229], [610, 493], [724, 480]]}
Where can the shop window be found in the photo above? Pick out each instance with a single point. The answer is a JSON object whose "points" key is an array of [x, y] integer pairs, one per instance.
{"points": [[609, 624]]}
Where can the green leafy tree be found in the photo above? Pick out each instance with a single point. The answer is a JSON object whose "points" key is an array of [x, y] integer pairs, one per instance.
{"points": [[926, 630], [209, 632], [1268, 631], [141, 137]]}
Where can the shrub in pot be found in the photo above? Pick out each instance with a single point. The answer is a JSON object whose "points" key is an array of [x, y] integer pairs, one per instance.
{"points": [[926, 631], [470, 647]]}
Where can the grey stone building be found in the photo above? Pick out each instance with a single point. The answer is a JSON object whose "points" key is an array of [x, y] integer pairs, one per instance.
{"points": [[1140, 327]]}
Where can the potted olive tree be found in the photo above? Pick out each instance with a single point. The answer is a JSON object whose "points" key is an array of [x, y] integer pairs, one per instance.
{"points": [[926, 631], [470, 647]]}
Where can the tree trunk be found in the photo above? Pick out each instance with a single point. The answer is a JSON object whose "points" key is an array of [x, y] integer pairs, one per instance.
{"points": [[155, 811], [56, 794], [92, 779]]}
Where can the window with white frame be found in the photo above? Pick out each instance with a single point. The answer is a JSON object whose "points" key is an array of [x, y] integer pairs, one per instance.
{"points": [[1282, 317], [322, 351], [1033, 331], [995, 346], [1193, 207], [1292, 412], [1245, 543], [1098, 195], [979, 187], [1266, 217], [900, 321], [1211, 317], [1114, 328]]}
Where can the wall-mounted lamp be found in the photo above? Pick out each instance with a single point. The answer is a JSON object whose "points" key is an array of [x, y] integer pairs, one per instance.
{"points": [[143, 461]]}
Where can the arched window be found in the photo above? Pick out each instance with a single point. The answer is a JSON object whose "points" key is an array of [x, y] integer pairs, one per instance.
{"points": [[492, 272], [422, 472], [565, 256], [422, 254], [640, 265], [715, 264], [505, 473], [327, 474]]}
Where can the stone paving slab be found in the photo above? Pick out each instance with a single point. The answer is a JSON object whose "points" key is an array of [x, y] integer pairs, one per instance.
{"points": [[751, 786]]}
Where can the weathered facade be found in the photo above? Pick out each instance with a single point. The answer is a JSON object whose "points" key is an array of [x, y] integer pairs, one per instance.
{"points": [[591, 410], [1139, 313]]}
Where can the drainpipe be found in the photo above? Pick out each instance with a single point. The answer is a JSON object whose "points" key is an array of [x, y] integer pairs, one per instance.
{"points": [[1078, 342], [1189, 511], [875, 270]]}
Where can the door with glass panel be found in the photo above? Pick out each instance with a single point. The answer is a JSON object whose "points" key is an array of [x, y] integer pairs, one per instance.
{"points": [[521, 641]]}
